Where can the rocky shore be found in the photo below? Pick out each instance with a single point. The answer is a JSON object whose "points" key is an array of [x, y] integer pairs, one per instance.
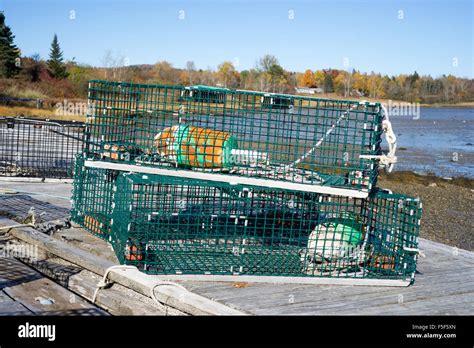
{"points": [[448, 205]]}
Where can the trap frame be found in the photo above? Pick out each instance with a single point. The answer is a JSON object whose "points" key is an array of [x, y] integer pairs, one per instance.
{"points": [[39, 148], [92, 198], [169, 225], [250, 138]]}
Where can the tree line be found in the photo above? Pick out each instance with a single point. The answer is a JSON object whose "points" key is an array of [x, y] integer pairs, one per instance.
{"points": [[56, 77]]}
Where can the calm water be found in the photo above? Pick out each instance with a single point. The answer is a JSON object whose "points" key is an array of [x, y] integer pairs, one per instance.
{"points": [[441, 142]]}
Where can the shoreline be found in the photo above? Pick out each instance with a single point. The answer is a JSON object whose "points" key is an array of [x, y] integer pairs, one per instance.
{"points": [[409, 176], [447, 217], [459, 105], [26, 111], [465, 105]]}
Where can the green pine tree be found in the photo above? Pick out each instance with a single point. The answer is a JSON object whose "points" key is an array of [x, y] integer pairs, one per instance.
{"points": [[9, 53], [55, 63], [328, 83]]}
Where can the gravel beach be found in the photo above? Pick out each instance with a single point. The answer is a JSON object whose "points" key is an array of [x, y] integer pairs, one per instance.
{"points": [[448, 213]]}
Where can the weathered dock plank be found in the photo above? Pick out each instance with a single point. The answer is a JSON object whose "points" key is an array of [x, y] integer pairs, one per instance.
{"points": [[168, 294], [9, 306], [40, 295], [443, 286]]}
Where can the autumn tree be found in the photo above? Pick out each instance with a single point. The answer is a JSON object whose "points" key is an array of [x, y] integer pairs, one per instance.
{"points": [[342, 83], [307, 79], [375, 86], [33, 67], [319, 76], [227, 74], [164, 72]]}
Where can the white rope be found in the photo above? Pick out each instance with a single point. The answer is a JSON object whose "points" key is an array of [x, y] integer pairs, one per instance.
{"points": [[414, 250], [320, 141], [161, 283], [389, 159], [15, 226], [105, 281]]}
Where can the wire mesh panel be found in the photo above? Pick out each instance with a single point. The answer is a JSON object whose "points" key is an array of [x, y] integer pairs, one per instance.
{"points": [[169, 225], [92, 198], [246, 134], [37, 148]]}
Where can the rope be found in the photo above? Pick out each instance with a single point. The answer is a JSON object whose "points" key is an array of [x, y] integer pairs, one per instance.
{"points": [[105, 281], [161, 283], [320, 141], [389, 159], [15, 226]]}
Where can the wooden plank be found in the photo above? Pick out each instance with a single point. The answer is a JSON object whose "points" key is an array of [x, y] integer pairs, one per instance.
{"points": [[456, 305], [13, 272], [442, 288], [333, 298], [446, 249], [31, 294], [76, 256], [39, 294], [117, 299], [173, 296], [9, 306], [81, 239], [374, 304], [84, 283]]}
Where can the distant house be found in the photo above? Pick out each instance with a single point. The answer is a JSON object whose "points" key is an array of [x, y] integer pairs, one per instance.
{"points": [[278, 101], [308, 90]]}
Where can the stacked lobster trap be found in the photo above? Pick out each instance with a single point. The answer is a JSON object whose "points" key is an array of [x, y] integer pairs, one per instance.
{"points": [[211, 181]]}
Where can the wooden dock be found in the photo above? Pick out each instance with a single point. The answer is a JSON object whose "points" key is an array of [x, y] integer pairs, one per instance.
{"points": [[444, 283], [24, 291]]}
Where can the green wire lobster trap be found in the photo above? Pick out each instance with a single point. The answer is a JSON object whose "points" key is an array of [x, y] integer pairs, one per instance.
{"points": [[169, 225], [210, 181], [249, 138], [92, 198]]}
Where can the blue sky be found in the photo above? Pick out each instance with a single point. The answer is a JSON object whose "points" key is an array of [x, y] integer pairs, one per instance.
{"points": [[431, 37]]}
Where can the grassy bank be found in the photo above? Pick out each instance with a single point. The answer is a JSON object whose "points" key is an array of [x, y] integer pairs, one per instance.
{"points": [[30, 112]]}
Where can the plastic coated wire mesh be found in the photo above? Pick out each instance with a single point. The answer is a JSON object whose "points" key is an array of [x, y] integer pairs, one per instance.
{"points": [[251, 134], [92, 194], [167, 225], [38, 148]]}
